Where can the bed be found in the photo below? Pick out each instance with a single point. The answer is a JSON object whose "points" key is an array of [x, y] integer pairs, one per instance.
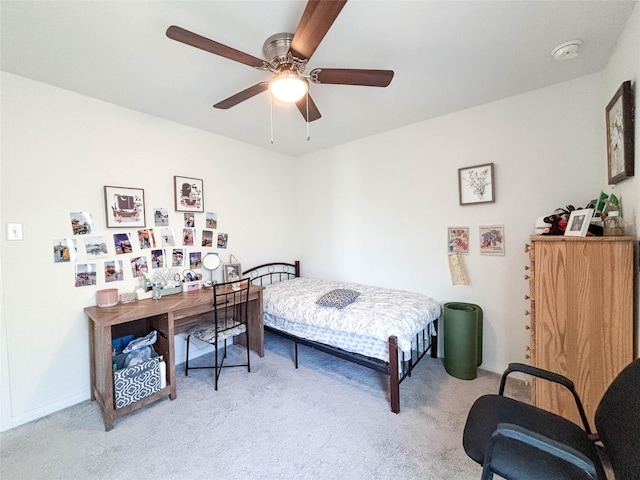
{"points": [[386, 330]]}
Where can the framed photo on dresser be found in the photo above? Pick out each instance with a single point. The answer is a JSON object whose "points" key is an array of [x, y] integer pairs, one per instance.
{"points": [[578, 224]]}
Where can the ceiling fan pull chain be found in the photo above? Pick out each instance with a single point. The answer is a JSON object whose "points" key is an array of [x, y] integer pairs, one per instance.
{"points": [[308, 137], [271, 115]]}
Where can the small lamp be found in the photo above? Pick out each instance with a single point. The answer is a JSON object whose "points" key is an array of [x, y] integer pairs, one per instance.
{"points": [[211, 262], [288, 86]]}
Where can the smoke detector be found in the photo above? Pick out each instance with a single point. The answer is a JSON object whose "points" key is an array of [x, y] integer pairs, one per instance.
{"points": [[566, 50]]}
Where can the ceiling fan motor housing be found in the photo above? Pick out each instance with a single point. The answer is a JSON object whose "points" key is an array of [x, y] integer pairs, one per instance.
{"points": [[276, 51]]}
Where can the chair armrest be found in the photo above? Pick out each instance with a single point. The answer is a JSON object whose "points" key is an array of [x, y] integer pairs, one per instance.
{"points": [[539, 442], [541, 373], [550, 376]]}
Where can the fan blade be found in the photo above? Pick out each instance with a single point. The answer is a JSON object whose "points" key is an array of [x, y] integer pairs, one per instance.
{"points": [[195, 40], [316, 20], [242, 96], [314, 113], [351, 76]]}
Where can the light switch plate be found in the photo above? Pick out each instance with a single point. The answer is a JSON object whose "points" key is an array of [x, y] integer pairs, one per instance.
{"points": [[14, 231]]}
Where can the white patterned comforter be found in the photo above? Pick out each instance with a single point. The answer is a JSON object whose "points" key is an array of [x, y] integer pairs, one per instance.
{"points": [[378, 312]]}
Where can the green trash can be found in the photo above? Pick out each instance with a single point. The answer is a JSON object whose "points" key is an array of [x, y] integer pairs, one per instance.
{"points": [[462, 339]]}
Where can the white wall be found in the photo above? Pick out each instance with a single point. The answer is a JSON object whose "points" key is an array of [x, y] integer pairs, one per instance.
{"points": [[377, 210], [381, 206], [58, 151]]}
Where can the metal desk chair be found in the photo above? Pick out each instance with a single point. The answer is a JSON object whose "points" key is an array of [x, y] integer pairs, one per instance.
{"points": [[230, 319]]}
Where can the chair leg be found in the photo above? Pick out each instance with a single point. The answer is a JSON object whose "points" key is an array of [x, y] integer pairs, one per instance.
{"points": [[186, 364], [487, 474], [215, 366], [248, 356]]}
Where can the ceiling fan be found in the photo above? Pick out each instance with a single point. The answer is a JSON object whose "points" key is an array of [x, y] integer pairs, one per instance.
{"points": [[287, 56]]}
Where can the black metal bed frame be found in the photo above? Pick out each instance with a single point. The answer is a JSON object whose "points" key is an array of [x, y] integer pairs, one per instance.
{"points": [[398, 367]]}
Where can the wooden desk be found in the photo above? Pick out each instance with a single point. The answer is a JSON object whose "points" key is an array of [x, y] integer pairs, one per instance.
{"points": [[168, 315]]}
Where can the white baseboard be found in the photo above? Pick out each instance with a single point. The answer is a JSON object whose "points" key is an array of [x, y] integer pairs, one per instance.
{"points": [[35, 414]]}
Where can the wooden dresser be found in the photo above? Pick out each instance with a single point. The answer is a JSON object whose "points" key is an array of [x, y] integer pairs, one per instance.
{"points": [[581, 294]]}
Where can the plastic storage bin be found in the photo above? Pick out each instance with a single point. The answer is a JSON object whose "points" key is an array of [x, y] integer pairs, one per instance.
{"points": [[462, 339]]}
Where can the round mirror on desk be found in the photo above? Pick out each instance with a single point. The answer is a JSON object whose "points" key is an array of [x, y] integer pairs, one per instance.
{"points": [[211, 261]]}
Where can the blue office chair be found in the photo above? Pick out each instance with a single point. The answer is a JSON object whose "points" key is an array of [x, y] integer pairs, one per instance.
{"points": [[519, 441], [230, 319]]}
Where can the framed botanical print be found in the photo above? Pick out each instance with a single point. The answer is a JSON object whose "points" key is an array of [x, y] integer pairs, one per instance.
{"points": [[188, 194], [124, 207], [476, 184], [620, 148]]}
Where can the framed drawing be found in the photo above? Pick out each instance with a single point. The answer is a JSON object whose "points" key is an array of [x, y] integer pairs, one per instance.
{"points": [[124, 207], [458, 240], [232, 272], [491, 239], [578, 223], [620, 135], [188, 194], [476, 184]]}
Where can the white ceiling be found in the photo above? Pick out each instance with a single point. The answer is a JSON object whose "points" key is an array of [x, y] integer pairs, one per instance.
{"points": [[447, 56]]}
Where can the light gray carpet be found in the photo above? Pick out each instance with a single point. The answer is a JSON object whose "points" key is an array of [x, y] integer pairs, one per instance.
{"points": [[329, 419]]}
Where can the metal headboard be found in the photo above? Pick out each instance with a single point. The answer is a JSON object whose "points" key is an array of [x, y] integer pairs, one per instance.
{"points": [[270, 273]]}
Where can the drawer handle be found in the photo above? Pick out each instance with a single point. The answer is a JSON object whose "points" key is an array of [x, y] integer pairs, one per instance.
{"points": [[527, 312], [527, 248], [527, 297], [527, 356], [527, 267], [527, 277], [527, 327]]}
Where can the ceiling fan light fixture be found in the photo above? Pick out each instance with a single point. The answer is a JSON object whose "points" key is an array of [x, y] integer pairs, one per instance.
{"points": [[288, 86]]}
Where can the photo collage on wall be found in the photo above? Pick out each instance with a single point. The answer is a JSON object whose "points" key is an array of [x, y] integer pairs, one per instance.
{"points": [[139, 252]]}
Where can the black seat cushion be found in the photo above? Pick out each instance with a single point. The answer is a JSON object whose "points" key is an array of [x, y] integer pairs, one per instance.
{"points": [[528, 462]]}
